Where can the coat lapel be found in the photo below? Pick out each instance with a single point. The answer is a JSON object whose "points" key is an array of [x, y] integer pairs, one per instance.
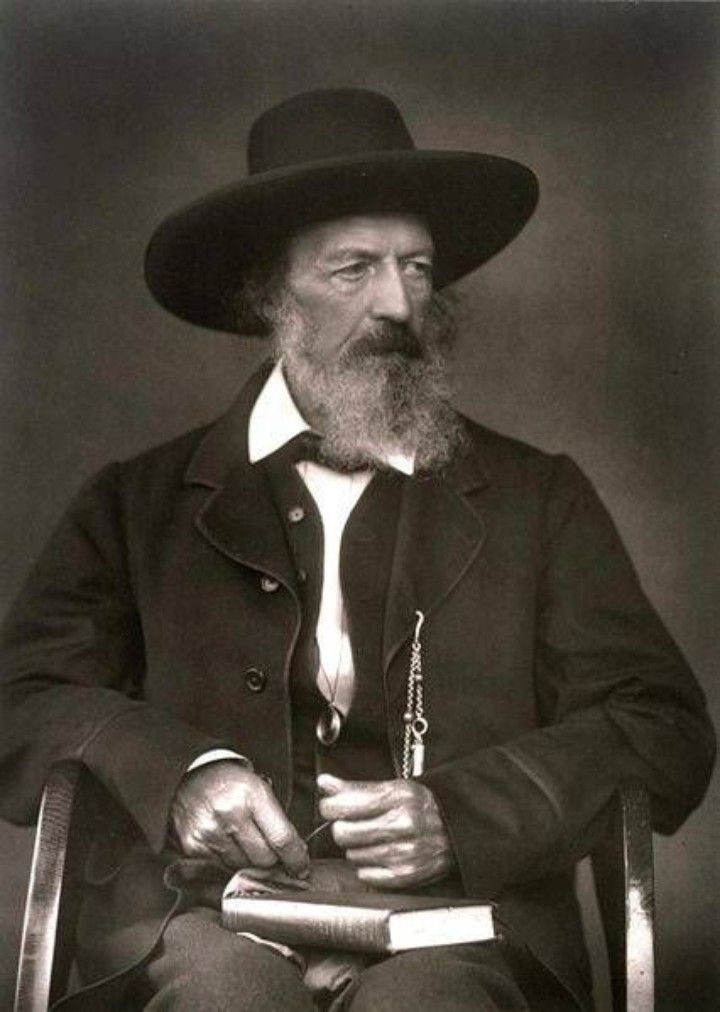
{"points": [[240, 518], [439, 536], [439, 532], [241, 521]]}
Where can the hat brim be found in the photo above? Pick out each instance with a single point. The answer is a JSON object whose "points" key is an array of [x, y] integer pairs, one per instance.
{"points": [[474, 205]]}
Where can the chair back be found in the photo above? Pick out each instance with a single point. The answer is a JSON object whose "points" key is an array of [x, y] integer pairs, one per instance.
{"points": [[622, 867]]}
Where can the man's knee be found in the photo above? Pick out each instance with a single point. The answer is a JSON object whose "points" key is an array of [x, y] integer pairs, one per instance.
{"points": [[203, 966], [456, 980]]}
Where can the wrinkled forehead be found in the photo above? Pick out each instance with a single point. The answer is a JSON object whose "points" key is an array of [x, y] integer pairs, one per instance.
{"points": [[396, 234]]}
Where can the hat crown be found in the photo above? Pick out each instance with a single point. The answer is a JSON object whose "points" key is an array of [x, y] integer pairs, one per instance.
{"points": [[318, 125]]}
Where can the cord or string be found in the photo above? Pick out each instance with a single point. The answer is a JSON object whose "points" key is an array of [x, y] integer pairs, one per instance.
{"points": [[331, 720]]}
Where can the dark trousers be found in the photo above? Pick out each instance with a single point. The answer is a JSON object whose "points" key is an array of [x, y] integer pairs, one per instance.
{"points": [[201, 966]]}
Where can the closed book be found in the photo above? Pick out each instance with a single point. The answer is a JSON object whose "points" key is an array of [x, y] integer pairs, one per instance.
{"points": [[366, 922]]}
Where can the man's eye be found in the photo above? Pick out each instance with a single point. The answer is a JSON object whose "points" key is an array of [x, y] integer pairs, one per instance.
{"points": [[419, 268], [352, 272]]}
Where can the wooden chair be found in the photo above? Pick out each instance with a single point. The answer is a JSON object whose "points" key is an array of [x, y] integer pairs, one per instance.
{"points": [[622, 869]]}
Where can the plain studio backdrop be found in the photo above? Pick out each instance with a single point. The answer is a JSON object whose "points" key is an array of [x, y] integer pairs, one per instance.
{"points": [[594, 333]]}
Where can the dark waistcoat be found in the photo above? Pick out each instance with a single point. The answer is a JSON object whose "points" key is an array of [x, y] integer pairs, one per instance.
{"points": [[362, 751]]}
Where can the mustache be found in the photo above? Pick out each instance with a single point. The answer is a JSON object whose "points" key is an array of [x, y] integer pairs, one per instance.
{"points": [[389, 338]]}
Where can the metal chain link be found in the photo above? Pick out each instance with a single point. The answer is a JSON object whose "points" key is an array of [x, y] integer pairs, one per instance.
{"points": [[415, 724]]}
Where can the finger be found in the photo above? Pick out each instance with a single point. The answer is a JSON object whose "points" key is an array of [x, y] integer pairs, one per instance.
{"points": [[281, 835], [329, 784], [251, 840], [190, 846], [198, 836], [385, 828], [215, 847], [404, 871], [229, 852], [356, 799], [386, 855], [389, 878]]}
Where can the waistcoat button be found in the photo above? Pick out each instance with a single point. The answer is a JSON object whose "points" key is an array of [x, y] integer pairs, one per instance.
{"points": [[255, 679], [269, 584], [296, 514]]}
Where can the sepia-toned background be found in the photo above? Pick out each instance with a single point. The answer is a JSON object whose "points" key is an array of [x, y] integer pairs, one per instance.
{"points": [[595, 333]]}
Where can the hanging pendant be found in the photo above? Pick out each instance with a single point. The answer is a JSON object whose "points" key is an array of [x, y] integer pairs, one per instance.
{"points": [[329, 725], [418, 759]]}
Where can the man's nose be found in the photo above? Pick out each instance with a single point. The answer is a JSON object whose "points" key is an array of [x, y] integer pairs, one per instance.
{"points": [[390, 297]]}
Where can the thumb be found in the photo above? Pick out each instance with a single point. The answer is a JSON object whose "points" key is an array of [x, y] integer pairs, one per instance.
{"points": [[329, 784]]}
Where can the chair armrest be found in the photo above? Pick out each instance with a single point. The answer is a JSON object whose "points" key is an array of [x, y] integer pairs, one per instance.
{"points": [[623, 872], [622, 869], [54, 889]]}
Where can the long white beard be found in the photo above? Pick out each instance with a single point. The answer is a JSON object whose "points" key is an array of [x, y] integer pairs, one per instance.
{"points": [[374, 403]]}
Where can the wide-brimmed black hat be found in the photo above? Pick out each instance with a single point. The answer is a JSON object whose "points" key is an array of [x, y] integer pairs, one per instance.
{"points": [[322, 155]]}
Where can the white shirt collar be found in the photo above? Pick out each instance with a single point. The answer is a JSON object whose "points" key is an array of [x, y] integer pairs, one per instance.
{"points": [[275, 420]]}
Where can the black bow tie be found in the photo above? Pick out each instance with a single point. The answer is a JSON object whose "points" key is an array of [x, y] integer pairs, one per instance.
{"points": [[307, 445]]}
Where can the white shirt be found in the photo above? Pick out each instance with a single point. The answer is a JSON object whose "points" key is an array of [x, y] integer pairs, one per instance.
{"points": [[274, 421]]}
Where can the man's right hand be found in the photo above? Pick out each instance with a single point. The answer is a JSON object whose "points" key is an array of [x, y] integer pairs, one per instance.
{"points": [[225, 811]]}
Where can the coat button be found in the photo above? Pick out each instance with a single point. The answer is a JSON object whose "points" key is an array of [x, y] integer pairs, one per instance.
{"points": [[269, 584], [296, 514], [255, 679]]}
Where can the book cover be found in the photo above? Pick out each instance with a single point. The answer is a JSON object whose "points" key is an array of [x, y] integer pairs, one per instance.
{"points": [[367, 922]]}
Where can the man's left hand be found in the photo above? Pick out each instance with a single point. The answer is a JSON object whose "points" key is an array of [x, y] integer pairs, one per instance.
{"points": [[390, 830]]}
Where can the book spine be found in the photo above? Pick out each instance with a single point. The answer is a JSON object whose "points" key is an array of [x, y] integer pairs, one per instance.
{"points": [[315, 924]]}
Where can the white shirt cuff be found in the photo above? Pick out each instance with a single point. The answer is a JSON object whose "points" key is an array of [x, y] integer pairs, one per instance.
{"points": [[215, 755]]}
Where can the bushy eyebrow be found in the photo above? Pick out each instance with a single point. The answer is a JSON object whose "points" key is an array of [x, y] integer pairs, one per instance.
{"points": [[364, 253]]}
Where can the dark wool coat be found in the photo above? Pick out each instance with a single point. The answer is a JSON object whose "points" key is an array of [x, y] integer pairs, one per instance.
{"points": [[145, 637]]}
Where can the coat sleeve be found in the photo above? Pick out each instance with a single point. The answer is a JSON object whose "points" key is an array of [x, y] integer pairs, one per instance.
{"points": [[73, 670], [617, 703]]}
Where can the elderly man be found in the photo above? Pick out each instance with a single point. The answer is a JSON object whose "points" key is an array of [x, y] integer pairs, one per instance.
{"points": [[228, 630]]}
